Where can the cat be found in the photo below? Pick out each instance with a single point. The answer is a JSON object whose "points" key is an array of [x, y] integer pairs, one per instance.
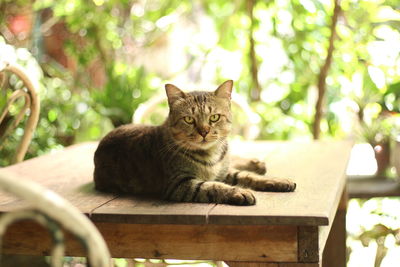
{"points": [[186, 159]]}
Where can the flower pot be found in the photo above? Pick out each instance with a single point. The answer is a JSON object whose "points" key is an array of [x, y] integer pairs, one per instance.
{"points": [[396, 157], [382, 156]]}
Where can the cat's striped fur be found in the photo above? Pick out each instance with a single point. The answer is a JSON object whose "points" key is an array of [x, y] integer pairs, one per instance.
{"points": [[186, 159]]}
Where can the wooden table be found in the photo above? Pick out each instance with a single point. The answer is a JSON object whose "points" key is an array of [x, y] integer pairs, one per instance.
{"points": [[283, 229], [369, 186]]}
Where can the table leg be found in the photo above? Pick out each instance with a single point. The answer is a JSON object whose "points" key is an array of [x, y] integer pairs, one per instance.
{"points": [[334, 254]]}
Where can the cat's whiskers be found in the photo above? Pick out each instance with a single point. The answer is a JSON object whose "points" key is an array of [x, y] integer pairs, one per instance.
{"points": [[182, 147], [170, 146], [221, 142]]}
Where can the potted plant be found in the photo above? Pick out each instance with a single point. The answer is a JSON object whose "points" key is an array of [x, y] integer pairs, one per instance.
{"points": [[378, 134]]}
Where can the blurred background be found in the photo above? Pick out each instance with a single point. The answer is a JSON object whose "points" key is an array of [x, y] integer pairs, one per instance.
{"points": [[309, 69]]}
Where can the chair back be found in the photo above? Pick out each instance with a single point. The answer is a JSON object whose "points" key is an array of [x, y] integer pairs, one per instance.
{"points": [[26, 91], [54, 213]]}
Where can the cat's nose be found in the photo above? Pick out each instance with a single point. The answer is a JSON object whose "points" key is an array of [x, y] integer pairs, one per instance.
{"points": [[203, 131]]}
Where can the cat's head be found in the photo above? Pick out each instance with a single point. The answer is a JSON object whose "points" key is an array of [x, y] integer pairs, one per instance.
{"points": [[199, 120]]}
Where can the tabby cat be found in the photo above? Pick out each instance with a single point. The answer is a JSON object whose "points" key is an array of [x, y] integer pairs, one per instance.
{"points": [[185, 159]]}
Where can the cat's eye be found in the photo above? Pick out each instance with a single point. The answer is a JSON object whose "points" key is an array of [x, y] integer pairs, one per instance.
{"points": [[188, 119], [215, 117]]}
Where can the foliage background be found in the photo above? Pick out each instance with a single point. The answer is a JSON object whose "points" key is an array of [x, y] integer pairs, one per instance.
{"points": [[122, 53], [97, 60]]}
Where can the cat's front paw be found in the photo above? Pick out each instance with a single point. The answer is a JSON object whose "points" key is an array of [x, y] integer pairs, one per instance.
{"points": [[257, 166], [276, 185], [251, 165], [241, 197], [285, 185]]}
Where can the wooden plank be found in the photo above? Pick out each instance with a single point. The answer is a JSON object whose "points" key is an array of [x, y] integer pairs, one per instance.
{"points": [[228, 243], [239, 243], [262, 264], [292, 264], [271, 208], [68, 172], [30, 238], [250, 264], [139, 210], [318, 168]]}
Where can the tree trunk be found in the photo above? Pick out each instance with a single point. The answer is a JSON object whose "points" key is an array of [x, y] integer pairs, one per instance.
{"points": [[324, 72], [255, 91]]}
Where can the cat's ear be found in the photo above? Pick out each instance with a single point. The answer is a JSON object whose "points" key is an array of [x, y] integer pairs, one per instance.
{"points": [[225, 89], [173, 93]]}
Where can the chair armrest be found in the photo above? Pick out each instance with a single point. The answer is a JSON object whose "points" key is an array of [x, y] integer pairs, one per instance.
{"points": [[47, 204]]}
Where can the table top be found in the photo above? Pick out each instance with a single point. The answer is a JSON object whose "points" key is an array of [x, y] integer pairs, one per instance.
{"points": [[318, 168]]}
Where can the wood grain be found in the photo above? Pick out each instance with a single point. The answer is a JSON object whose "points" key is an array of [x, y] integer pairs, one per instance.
{"points": [[29, 238], [281, 227], [293, 264], [139, 210], [318, 168], [308, 244], [68, 173], [235, 243], [262, 264], [250, 264]]}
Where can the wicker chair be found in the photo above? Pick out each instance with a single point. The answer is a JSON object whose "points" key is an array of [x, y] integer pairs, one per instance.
{"points": [[28, 92], [45, 207], [54, 213]]}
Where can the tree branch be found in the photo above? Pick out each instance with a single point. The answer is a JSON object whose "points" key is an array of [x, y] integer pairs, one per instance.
{"points": [[324, 72], [255, 92], [103, 53]]}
